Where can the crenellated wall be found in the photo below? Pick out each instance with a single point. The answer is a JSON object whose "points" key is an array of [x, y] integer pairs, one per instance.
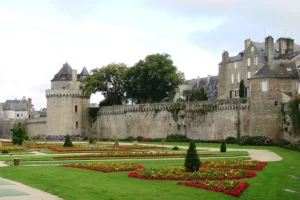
{"points": [[206, 120], [36, 126]]}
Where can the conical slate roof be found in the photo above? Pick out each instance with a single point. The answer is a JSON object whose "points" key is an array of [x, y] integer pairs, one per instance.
{"points": [[64, 74], [84, 72]]}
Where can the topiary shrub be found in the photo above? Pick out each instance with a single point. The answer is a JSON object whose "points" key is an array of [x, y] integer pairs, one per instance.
{"points": [[230, 140], [175, 148], [68, 142], [92, 140], [223, 147], [4, 151], [192, 160]]}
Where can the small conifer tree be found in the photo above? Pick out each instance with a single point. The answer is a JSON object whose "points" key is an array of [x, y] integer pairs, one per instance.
{"points": [[223, 147], [68, 142], [242, 89], [192, 160]]}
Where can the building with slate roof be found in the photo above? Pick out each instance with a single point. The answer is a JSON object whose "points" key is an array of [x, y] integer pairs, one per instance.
{"points": [[67, 106], [255, 55], [16, 109]]}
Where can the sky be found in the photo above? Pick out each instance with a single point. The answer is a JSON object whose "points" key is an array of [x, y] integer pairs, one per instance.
{"points": [[38, 36]]}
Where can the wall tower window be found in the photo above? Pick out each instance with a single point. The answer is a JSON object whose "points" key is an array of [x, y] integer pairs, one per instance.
{"points": [[248, 62], [76, 124], [264, 86], [76, 108], [248, 74]]}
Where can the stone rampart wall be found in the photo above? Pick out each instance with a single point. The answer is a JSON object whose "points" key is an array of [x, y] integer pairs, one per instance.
{"points": [[205, 121], [36, 126]]}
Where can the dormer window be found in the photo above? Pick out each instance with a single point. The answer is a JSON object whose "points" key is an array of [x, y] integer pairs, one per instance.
{"points": [[63, 76]]}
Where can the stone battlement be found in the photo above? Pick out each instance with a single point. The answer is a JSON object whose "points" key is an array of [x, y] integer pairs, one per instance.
{"points": [[65, 93], [187, 107]]}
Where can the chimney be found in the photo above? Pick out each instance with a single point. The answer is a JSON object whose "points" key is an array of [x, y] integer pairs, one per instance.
{"points": [[290, 44], [225, 56], [74, 75], [29, 103], [198, 80], [247, 43], [269, 47], [282, 45]]}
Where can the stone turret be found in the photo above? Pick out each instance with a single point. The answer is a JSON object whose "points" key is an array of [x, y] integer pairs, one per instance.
{"points": [[67, 106]]}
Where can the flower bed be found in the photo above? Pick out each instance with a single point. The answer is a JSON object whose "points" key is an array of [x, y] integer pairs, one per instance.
{"points": [[121, 154], [235, 164], [72, 149], [138, 147], [107, 167], [231, 187], [172, 173], [11, 148]]}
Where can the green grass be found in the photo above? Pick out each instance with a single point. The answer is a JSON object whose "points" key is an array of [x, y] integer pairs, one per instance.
{"points": [[70, 183]]}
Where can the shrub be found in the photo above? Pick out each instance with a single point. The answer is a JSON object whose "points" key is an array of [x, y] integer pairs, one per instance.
{"points": [[281, 142], [230, 140], [223, 147], [4, 151], [85, 138], [157, 139], [92, 140], [192, 160], [255, 140], [177, 138], [68, 142], [146, 139], [175, 148], [130, 139], [139, 138]]}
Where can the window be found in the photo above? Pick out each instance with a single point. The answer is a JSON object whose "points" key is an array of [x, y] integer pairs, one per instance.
{"points": [[76, 108], [249, 75], [234, 65], [21, 115], [252, 49], [76, 124], [256, 60], [63, 88], [296, 85], [248, 62], [264, 86], [17, 115], [231, 94], [237, 93], [275, 103], [232, 78], [63, 76], [238, 77]]}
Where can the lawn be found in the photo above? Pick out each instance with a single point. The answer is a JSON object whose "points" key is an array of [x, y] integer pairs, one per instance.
{"points": [[70, 183]]}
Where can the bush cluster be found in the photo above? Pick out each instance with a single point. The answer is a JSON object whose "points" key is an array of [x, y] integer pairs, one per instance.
{"points": [[287, 145], [255, 141], [230, 140], [177, 138], [175, 148], [4, 151]]}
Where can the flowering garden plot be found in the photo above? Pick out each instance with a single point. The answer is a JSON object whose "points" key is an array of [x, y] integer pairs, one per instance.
{"points": [[122, 154], [11, 148], [42, 145], [107, 167], [173, 173], [72, 149], [235, 164], [138, 147], [230, 187]]}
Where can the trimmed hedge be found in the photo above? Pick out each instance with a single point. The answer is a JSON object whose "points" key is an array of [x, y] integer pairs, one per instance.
{"points": [[177, 138], [255, 141]]}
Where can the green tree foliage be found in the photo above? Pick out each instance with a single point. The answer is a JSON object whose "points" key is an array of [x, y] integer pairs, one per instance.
{"points": [[68, 142], [199, 95], [242, 89], [153, 79], [192, 160], [223, 147], [109, 80], [18, 134]]}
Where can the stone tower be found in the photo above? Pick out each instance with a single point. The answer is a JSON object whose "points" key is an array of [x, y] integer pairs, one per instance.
{"points": [[67, 106]]}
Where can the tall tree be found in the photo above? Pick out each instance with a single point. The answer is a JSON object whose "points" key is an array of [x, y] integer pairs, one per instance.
{"points": [[109, 80], [18, 134], [242, 89], [198, 95], [153, 79]]}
